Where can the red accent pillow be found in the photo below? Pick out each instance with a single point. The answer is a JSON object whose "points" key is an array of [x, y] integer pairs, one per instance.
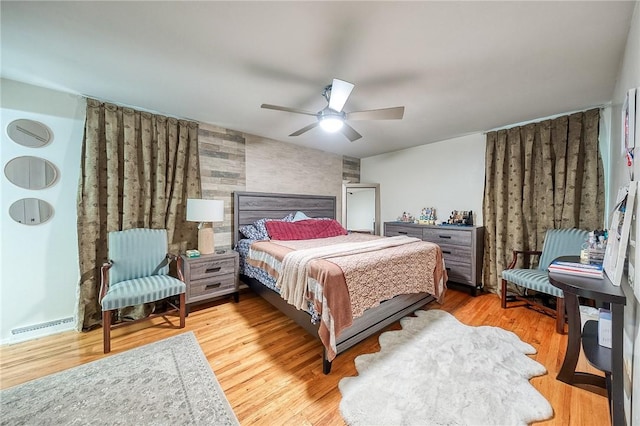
{"points": [[304, 229]]}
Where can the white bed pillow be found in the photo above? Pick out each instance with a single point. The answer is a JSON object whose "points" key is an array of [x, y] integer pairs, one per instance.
{"points": [[300, 216]]}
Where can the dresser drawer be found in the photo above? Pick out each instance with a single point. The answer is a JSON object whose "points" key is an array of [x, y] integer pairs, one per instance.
{"points": [[206, 268], [211, 286], [395, 230], [460, 254], [459, 272], [447, 236]]}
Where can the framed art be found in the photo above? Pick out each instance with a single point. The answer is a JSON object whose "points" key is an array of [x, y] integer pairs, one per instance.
{"points": [[628, 129], [633, 255], [618, 239], [631, 133]]}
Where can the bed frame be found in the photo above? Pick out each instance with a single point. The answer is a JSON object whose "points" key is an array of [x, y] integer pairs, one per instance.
{"points": [[251, 206]]}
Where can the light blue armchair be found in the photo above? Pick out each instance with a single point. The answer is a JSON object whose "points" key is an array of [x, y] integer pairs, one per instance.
{"points": [[137, 273], [557, 242]]}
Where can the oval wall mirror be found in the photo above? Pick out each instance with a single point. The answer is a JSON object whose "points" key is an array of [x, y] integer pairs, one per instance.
{"points": [[30, 133], [31, 172], [30, 211]]}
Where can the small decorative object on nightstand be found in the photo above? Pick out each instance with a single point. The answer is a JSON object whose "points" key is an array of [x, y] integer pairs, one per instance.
{"points": [[210, 276]]}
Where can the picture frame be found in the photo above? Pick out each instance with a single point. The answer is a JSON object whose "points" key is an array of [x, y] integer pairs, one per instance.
{"points": [[633, 134], [629, 130], [616, 252]]}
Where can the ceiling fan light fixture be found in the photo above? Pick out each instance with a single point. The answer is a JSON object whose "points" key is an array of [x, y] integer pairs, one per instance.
{"points": [[333, 119], [331, 124]]}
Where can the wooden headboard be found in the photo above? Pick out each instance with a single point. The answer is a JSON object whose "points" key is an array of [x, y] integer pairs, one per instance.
{"points": [[251, 206]]}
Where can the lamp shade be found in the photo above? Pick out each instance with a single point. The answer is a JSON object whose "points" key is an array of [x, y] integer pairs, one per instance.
{"points": [[205, 210]]}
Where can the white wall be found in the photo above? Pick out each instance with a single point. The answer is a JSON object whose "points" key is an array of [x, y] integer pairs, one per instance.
{"points": [[39, 264], [629, 77], [447, 175]]}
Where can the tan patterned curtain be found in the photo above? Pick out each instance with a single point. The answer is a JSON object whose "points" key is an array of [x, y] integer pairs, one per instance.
{"points": [[138, 169], [540, 176]]}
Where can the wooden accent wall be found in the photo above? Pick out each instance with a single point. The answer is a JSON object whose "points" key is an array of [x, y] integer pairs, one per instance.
{"points": [[234, 161], [222, 172], [351, 169]]}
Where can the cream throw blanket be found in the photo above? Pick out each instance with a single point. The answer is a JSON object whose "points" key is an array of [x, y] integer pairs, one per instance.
{"points": [[293, 280]]}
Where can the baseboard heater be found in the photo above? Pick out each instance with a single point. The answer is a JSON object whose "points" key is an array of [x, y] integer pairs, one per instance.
{"points": [[38, 328]]}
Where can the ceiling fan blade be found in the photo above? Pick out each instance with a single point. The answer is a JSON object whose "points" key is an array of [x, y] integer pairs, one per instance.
{"points": [[350, 132], [304, 129], [286, 109], [340, 91], [395, 113]]}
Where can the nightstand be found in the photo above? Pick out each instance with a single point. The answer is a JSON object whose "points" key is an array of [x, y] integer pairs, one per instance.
{"points": [[210, 276]]}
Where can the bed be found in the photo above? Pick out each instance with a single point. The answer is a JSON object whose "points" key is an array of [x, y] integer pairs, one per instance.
{"points": [[253, 208]]}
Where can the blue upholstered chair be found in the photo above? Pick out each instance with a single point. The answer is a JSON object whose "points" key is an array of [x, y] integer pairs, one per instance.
{"points": [[138, 272], [557, 242]]}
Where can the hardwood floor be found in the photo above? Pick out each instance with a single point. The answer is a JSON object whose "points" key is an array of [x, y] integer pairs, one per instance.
{"points": [[270, 368]]}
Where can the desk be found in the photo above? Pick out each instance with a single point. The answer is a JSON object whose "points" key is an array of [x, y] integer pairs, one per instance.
{"points": [[604, 359]]}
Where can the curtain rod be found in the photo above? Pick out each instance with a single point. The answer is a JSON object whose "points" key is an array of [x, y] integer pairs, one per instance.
{"points": [[137, 108], [551, 117]]}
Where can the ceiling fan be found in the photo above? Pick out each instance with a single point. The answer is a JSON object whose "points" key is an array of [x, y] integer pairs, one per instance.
{"points": [[332, 118]]}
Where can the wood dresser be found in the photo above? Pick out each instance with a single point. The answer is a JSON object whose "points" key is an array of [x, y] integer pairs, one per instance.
{"points": [[210, 276], [462, 247]]}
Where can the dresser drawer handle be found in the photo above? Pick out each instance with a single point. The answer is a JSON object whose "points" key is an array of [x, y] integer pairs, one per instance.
{"points": [[210, 286], [402, 232], [446, 251], [210, 270], [446, 237], [448, 269]]}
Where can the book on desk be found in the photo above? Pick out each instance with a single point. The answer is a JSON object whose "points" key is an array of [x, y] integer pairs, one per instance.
{"points": [[604, 328], [592, 270]]}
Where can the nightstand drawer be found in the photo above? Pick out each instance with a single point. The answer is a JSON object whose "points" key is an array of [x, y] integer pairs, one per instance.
{"points": [[210, 287], [207, 268], [211, 276], [447, 236]]}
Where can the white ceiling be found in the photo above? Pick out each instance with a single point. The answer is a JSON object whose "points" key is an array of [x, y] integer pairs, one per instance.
{"points": [[457, 67]]}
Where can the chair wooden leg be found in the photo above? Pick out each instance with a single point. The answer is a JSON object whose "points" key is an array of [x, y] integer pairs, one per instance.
{"points": [[183, 309], [106, 331], [560, 315], [503, 295]]}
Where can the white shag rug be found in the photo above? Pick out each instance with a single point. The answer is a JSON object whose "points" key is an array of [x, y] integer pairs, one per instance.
{"points": [[438, 371]]}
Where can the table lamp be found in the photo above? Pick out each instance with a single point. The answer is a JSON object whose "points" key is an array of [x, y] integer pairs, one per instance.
{"points": [[205, 212]]}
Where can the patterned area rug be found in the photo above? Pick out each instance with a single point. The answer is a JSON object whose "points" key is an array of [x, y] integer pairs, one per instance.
{"points": [[439, 371], [168, 382]]}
